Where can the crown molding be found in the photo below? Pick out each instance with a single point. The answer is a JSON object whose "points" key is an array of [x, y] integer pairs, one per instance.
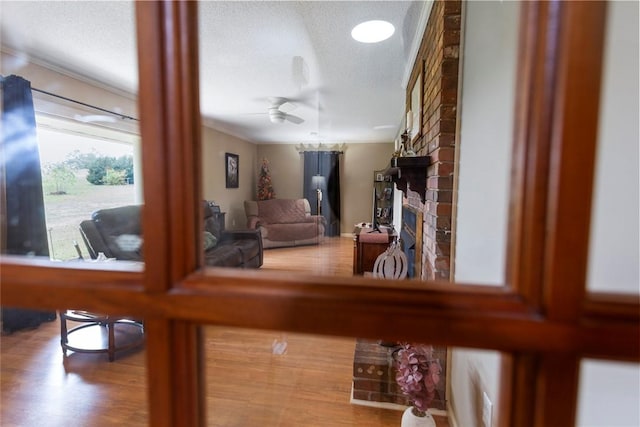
{"points": [[417, 41]]}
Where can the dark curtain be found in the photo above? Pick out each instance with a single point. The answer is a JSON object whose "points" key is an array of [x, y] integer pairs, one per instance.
{"points": [[327, 165], [23, 221]]}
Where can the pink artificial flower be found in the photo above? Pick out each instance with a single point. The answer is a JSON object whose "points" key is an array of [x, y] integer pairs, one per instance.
{"points": [[418, 373]]}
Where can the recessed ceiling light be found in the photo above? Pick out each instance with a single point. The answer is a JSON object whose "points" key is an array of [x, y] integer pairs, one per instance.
{"points": [[372, 31]]}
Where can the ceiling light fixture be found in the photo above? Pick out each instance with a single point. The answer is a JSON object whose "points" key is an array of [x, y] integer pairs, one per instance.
{"points": [[372, 31]]}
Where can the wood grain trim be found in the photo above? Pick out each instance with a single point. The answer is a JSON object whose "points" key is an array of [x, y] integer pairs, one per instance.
{"points": [[575, 119], [153, 128], [517, 390], [152, 100], [475, 318], [486, 318], [542, 238], [170, 127], [555, 393], [530, 158], [575, 63], [82, 285], [478, 317], [612, 306]]}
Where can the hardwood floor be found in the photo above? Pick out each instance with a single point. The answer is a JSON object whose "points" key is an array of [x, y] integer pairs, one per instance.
{"points": [[333, 257], [247, 382]]}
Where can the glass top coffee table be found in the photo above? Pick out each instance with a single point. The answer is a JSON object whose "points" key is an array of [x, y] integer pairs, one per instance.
{"points": [[87, 332]]}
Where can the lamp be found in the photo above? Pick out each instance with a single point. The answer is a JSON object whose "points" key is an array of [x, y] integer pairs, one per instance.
{"points": [[318, 181]]}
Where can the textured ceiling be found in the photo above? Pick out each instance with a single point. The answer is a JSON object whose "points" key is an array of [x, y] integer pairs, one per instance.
{"points": [[344, 91]]}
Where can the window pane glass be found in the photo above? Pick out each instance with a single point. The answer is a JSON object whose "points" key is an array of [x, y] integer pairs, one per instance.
{"points": [[615, 242], [608, 394], [274, 99], [41, 387], [75, 182], [486, 131], [475, 386], [284, 88], [280, 379], [71, 145]]}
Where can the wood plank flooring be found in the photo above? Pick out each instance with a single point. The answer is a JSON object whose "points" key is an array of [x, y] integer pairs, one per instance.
{"points": [[334, 257], [247, 384]]}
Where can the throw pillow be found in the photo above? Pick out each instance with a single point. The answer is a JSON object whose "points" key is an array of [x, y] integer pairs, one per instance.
{"points": [[210, 241], [128, 242]]}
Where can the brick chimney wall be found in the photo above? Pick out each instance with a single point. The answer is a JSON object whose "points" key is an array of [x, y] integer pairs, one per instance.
{"points": [[437, 63]]}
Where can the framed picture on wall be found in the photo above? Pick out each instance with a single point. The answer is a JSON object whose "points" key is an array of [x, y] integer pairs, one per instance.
{"points": [[415, 125], [232, 163]]}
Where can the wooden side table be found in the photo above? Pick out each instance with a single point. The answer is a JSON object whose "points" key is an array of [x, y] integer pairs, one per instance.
{"points": [[102, 336], [367, 246]]}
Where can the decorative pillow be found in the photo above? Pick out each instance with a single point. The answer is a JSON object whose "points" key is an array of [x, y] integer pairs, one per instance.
{"points": [[125, 246], [210, 241], [128, 242]]}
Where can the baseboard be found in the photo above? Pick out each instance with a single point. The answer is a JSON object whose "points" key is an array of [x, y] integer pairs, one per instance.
{"points": [[451, 415]]}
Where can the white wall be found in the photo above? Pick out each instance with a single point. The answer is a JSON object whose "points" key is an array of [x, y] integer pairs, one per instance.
{"points": [[610, 392], [486, 123], [614, 227]]}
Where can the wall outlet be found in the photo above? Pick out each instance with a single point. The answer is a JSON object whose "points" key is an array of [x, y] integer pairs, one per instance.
{"points": [[486, 410]]}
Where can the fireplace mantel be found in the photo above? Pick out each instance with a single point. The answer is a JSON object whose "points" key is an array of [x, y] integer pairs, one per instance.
{"points": [[411, 171]]}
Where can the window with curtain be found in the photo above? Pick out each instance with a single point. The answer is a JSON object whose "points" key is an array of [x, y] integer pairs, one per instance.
{"points": [[322, 186]]}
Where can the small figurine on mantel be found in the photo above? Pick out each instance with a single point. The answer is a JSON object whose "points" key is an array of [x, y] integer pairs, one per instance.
{"points": [[407, 150]]}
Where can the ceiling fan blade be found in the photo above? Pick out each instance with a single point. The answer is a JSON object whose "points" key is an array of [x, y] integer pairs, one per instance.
{"points": [[276, 101], [287, 107], [294, 119]]}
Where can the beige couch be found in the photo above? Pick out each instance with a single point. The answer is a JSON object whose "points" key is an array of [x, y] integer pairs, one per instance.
{"points": [[284, 222]]}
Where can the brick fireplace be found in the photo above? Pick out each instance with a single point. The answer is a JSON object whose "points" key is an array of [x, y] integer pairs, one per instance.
{"points": [[411, 239], [437, 65], [430, 238], [374, 377]]}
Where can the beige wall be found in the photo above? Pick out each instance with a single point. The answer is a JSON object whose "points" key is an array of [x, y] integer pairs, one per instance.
{"points": [[46, 77], [360, 160], [286, 167], [231, 200], [356, 175]]}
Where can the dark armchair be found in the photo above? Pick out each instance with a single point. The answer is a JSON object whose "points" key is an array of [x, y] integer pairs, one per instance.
{"points": [[117, 232]]}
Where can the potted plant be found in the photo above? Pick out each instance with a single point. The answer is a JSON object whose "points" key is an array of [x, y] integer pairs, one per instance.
{"points": [[418, 374]]}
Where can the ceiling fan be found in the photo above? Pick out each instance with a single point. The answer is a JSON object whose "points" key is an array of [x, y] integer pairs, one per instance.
{"points": [[279, 111]]}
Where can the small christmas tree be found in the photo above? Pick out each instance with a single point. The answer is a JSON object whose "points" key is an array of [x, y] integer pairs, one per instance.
{"points": [[265, 188]]}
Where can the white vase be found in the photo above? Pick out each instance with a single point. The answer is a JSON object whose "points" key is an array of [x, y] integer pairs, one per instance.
{"points": [[409, 419]]}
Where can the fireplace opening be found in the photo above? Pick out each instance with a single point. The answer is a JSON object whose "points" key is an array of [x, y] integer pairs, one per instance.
{"points": [[411, 239]]}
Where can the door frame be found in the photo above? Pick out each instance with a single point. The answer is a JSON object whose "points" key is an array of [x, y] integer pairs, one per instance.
{"points": [[543, 319]]}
